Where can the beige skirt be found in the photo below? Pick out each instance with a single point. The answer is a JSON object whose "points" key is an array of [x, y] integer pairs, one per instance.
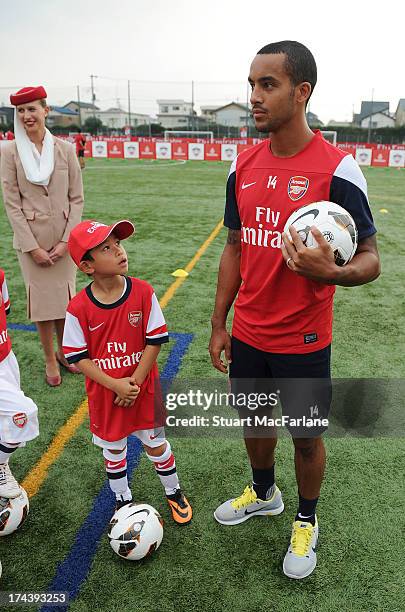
{"points": [[48, 289]]}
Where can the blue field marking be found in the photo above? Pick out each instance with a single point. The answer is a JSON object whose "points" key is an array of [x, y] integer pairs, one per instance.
{"points": [[176, 355], [73, 570], [75, 567], [22, 327]]}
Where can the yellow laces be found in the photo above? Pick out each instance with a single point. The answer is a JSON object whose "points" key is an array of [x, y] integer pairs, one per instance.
{"points": [[248, 497], [301, 538]]}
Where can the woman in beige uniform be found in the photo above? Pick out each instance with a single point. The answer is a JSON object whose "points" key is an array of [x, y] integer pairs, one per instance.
{"points": [[43, 197]]}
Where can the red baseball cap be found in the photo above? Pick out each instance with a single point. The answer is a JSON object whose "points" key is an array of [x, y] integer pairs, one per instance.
{"points": [[27, 94], [89, 234]]}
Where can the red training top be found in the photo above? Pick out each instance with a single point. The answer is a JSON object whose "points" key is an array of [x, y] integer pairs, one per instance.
{"points": [[277, 310]]}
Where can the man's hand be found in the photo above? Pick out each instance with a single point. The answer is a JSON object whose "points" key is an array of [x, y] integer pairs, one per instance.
{"points": [[126, 390], [316, 264], [220, 341], [41, 257], [58, 251]]}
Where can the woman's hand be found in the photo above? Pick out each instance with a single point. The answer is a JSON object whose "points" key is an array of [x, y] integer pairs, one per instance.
{"points": [[41, 257], [58, 251]]}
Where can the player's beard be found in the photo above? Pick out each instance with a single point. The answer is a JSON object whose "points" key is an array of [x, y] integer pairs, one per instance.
{"points": [[274, 124]]}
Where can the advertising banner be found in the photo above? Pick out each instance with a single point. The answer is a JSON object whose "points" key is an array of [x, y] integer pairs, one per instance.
{"points": [[88, 150], [212, 152], [228, 152], [195, 151], [163, 150], [115, 149], [179, 150], [99, 148], [131, 150], [363, 156], [397, 158], [380, 157], [147, 150]]}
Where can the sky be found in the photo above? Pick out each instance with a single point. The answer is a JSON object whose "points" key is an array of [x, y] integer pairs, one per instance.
{"points": [[161, 47]]}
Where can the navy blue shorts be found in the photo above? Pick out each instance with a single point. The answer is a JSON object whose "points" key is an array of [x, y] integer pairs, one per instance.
{"points": [[300, 383]]}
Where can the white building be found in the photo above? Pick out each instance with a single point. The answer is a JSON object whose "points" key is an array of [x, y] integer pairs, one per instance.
{"points": [[374, 114], [118, 118], [175, 114], [208, 112], [233, 114], [112, 117], [86, 109]]}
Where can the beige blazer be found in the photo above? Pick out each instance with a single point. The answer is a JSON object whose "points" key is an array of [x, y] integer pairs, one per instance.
{"points": [[42, 216]]}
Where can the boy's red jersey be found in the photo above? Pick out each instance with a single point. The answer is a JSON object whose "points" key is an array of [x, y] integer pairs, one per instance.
{"points": [[114, 337], [5, 342]]}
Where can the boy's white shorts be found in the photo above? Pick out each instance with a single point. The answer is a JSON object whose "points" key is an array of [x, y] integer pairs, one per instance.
{"points": [[149, 437], [18, 413]]}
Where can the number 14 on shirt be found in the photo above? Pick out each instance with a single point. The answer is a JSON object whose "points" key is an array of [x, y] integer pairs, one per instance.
{"points": [[272, 182]]}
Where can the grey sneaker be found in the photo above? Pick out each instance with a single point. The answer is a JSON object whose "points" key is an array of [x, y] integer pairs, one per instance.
{"points": [[242, 508], [300, 559], [9, 487]]}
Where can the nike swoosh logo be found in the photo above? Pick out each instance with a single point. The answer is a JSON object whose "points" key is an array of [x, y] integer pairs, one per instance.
{"points": [[253, 511], [96, 327], [248, 184], [154, 437], [182, 514], [111, 465]]}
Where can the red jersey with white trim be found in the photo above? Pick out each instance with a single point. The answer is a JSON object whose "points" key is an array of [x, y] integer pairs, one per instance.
{"points": [[5, 342], [277, 310], [114, 337]]}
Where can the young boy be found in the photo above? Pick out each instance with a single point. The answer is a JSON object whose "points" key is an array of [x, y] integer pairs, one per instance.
{"points": [[113, 331], [18, 413]]}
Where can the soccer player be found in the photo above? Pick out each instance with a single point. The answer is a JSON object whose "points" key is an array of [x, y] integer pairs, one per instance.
{"points": [[18, 413], [282, 326], [114, 331], [80, 140]]}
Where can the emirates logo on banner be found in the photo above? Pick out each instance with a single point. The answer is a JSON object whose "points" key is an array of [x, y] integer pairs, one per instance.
{"points": [[135, 317], [297, 187], [20, 419]]}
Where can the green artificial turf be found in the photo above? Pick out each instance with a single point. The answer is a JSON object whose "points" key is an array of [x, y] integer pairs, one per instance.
{"points": [[205, 566]]}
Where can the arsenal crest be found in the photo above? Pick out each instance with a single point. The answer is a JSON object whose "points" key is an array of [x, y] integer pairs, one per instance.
{"points": [[297, 187], [135, 317], [20, 419]]}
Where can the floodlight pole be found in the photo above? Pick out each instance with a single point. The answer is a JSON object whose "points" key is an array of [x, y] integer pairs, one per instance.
{"points": [[93, 95], [192, 105], [371, 115], [78, 104], [129, 106]]}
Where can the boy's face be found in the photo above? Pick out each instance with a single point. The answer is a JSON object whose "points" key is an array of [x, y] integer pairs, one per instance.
{"points": [[109, 258]]}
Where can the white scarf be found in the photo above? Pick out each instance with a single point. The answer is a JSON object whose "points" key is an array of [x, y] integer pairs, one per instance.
{"points": [[39, 174]]}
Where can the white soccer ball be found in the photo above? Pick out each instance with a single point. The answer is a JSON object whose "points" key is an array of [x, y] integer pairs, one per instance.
{"points": [[335, 223], [13, 512], [136, 531]]}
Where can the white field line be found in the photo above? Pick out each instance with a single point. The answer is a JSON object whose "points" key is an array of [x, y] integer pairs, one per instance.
{"points": [[178, 162]]}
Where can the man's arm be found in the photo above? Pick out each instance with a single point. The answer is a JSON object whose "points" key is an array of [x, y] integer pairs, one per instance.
{"points": [[363, 268], [319, 264], [229, 281]]}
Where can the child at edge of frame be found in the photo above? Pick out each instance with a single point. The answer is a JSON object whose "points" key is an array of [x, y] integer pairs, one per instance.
{"points": [[114, 330]]}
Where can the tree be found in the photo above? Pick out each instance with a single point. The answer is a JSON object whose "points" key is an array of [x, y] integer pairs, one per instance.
{"points": [[93, 125]]}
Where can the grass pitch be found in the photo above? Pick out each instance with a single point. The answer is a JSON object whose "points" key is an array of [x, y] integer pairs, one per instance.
{"points": [[206, 566]]}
